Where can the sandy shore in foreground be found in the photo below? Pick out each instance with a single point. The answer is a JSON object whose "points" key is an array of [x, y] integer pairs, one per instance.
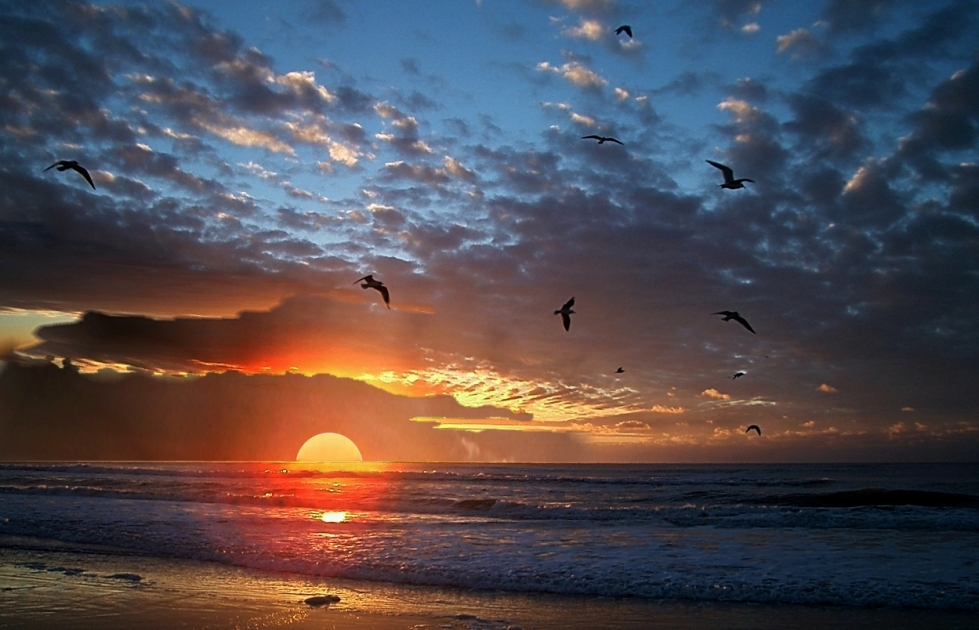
{"points": [[44, 586]]}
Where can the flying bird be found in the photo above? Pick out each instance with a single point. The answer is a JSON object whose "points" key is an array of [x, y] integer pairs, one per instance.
{"points": [[64, 165], [737, 375], [619, 371], [601, 139], [729, 181], [625, 28], [565, 313], [371, 283], [734, 315], [755, 427]]}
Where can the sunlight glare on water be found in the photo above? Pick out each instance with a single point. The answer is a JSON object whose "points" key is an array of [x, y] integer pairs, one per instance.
{"points": [[333, 517]]}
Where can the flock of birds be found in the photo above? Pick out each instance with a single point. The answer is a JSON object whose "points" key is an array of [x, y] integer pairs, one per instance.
{"points": [[368, 281]]}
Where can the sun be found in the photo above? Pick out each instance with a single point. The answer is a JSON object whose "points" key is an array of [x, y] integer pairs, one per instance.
{"points": [[329, 447]]}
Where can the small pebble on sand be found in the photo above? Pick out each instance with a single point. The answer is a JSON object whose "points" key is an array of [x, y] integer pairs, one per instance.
{"points": [[322, 600]]}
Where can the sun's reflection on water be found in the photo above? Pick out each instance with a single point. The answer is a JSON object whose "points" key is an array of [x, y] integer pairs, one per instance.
{"points": [[334, 517]]}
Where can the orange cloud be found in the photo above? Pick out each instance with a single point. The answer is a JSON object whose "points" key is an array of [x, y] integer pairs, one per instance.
{"points": [[714, 394]]}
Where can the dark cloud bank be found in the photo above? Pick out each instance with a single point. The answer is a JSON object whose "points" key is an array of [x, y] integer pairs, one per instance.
{"points": [[53, 413]]}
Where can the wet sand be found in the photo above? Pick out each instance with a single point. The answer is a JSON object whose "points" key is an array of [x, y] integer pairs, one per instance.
{"points": [[51, 586]]}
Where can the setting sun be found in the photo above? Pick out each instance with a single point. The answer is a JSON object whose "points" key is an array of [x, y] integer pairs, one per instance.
{"points": [[329, 447]]}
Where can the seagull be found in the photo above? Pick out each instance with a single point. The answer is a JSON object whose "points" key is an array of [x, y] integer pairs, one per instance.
{"points": [[565, 313], [734, 315], [737, 375], [601, 139], [371, 283], [625, 28], [729, 181], [619, 371], [64, 165], [755, 427]]}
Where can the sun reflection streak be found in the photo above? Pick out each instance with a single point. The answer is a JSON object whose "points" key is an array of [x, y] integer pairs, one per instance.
{"points": [[334, 517]]}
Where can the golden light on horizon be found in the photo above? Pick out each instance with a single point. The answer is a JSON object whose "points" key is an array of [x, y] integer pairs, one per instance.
{"points": [[329, 447]]}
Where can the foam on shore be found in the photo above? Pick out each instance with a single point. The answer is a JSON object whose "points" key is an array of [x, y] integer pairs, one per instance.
{"points": [[45, 587]]}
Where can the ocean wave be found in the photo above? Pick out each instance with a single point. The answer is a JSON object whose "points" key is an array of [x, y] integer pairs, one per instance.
{"points": [[873, 497]]}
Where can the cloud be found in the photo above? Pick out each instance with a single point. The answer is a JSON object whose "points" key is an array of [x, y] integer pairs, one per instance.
{"points": [[714, 394], [855, 15], [801, 44], [586, 29], [405, 137], [587, 6], [575, 73], [729, 12], [826, 389]]}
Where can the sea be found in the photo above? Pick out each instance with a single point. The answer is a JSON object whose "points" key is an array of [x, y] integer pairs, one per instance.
{"points": [[866, 535]]}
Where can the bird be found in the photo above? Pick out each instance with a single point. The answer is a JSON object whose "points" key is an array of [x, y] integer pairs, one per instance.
{"points": [[755, 427], [625, 28], [619, 371], [601, 139], [734, 315], [371, 283], [729, 181], [565, 313], [737, 375], [64, 165]]}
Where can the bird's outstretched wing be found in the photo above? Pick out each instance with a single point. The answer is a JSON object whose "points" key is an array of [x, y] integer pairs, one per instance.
{"points": [[368, 278], [384, 294], [568, 304], [753, 427], [81, 170], [727, 170], [592, 137], [51, 167], [615, 140], [625, 28], [744, 322], [567, 321]]}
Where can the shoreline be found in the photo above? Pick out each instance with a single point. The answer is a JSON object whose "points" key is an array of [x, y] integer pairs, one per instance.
{"points": [[48, 585]]}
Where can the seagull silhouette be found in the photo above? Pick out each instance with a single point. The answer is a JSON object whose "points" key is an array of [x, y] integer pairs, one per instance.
{"points": [[619, 371], [565, 313], [371, 283], [625, 28], [64, 165], [755, 427], [601, 139], [729, 181], [734, 315], [737, 375]]}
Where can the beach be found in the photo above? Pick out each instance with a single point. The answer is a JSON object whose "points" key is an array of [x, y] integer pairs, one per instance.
{"points": [[109, 545], [45, 586]]}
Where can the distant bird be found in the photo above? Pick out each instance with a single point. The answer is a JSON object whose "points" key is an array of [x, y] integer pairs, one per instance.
{"points": [[734, 315], [625, 28], [601, 139], [755, 427], [619, 371], [64, 165], [565, 313], [737, 375], [371, 283], [729, 181]]}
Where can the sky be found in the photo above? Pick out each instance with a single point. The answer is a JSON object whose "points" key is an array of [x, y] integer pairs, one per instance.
{"points": [[251, 160]]}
